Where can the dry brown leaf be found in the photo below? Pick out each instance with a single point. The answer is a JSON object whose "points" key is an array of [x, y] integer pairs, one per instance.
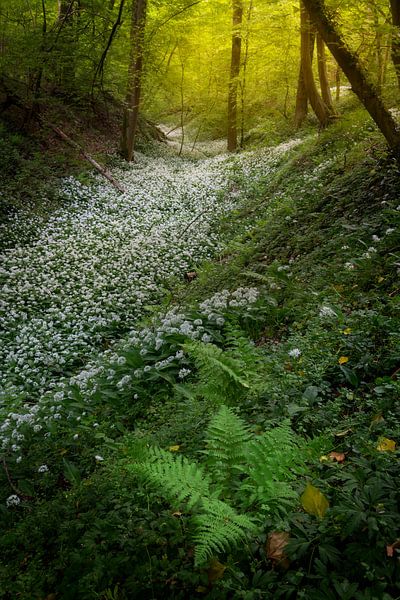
{"points": [[338, 456], [276, 544], [390, 549]]}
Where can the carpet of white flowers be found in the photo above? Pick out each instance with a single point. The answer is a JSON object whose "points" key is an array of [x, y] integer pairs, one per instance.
{"points": [[91, 272]]}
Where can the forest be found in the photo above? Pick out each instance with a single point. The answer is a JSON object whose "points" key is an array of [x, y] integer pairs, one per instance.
{"points": [[199, 299]]}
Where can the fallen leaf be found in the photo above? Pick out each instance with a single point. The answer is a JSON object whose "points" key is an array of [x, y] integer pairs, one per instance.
{"points": [[177, 514], [386, 445], [347, 331], [390, 549], [377, 419], [314, 502], [343, 360], [338, 456], [174, 448], [216, 571], [190, 276], [276, 544]]}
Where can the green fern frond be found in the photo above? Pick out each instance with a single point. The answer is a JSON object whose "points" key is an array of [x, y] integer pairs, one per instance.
{"points": [[273, 460], [227, 438], [178, 478], [243, 350], [221, 377], [210, 357], [218, 529]]}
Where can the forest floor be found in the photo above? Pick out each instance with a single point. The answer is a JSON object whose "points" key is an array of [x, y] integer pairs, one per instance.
{"points": [[259, 291]]}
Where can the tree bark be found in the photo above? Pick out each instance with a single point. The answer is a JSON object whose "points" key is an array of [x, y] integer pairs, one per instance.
{"points": [[395, 8], [323, 75], [301, 110], [135, 72], [358, 79], [237, 9], [307, 38]]}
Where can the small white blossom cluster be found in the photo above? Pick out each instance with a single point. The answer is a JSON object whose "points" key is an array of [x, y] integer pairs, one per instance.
{"points": [[327, 312]]}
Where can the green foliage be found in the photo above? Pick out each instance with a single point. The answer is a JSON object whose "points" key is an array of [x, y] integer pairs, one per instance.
{"points": [[235, 463]]}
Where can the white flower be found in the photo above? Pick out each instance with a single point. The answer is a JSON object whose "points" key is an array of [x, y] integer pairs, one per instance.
{"points": [[76, 436], [43, 469], [294, 353], [389, 230], [183, 373], [349, 266], [345, 247], [327, 311], [13, 500], [375, 238], [98, 458]]}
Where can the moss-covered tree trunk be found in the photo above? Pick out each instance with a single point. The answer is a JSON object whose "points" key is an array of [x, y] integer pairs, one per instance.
{"points": [[237, 12], [135, 72], [301, 110], [307, 37], [354, 72]]}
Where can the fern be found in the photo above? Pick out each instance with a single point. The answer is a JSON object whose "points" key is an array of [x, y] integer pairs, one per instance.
{"points": [[240, 470], [218, 529], [221, 377], [227, 438], [273, 461], [178, 478]]}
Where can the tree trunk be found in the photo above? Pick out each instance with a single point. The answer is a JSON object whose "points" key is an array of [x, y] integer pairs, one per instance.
{"points": [[323, 75], [237, 8], [351, 67], [307, 38], [67, 61], [135, 72], [338, 82], [395, 7], [244, 78]]}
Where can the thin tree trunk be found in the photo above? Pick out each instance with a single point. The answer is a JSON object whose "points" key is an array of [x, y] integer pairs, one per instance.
{"points": [[237, 8], [338, 82], [319, 107], [395, 8], [244, 79], [135, 72], [66, 24], [358, 79], [301, 110], [323, 75]]}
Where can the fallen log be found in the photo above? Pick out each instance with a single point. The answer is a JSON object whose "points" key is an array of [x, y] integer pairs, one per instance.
{"points": [[13, 99], [87, 156]]}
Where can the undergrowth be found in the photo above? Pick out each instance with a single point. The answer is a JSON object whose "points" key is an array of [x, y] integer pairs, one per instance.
{"points": [[255, 453]]}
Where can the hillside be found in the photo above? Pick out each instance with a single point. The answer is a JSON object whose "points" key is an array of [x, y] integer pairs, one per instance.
{"points": [[201, 378]]}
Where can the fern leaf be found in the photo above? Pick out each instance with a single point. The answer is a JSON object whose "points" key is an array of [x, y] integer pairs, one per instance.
{"points": [[273, 461], [178, 478], [218, 529], [227, 438], [221, 376]]}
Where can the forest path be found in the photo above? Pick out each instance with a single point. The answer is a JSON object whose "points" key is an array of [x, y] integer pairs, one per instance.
{"points": [[92, 270]]}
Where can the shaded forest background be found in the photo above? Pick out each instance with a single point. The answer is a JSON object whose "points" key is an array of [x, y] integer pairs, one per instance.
{"points": [[175, 62]]}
